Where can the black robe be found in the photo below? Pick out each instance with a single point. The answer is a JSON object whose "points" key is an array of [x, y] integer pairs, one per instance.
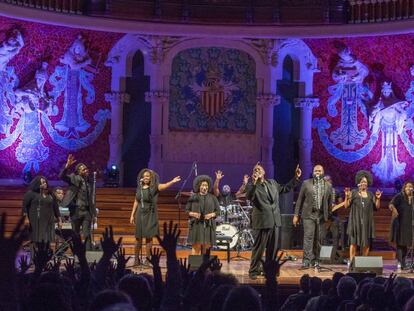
{"points": [[401, 227], [147, 214], [361, 226], [202, 231], [42, 212]]}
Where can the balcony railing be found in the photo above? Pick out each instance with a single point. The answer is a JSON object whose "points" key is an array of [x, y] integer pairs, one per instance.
{"points": [[260, 12]]}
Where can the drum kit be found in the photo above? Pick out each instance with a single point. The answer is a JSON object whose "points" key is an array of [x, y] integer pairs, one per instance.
{"points": [[234, 222]]}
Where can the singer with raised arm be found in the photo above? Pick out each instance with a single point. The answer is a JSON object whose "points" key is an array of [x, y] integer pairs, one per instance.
{"points": [[266, 220], [401, 207], [79, 198], [202, 208], [312, 205], [41, 211], [361, 226], [144, 211]]}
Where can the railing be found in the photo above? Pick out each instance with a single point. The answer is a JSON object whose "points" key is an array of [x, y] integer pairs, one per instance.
{"points": [[374, 11], [61, 6], [284, 12]]}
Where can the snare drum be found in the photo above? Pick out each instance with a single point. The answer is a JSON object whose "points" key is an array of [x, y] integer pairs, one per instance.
{"points": [[230, 231]]}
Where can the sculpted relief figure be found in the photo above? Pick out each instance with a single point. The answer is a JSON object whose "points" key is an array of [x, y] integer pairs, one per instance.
{"points": [[349, 69], [8, 79], [388, 116]]}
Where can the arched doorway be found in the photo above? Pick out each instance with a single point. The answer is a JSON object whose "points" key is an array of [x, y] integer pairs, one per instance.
{"points": [[136, 123]]}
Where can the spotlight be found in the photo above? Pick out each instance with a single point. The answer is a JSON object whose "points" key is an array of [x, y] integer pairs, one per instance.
{"points": [[27, 178], [111, 176]]}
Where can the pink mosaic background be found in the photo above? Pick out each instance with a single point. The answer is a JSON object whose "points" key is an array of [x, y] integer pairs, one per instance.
{"points": [[49, 43]]}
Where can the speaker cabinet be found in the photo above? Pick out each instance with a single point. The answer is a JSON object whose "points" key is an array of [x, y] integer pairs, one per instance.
{"points": [[327, 254], [372, 264]]}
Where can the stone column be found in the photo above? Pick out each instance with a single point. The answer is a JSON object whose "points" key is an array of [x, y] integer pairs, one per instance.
{"points": [[267, 102], [159, 102], [117, 100], [306, 104]]}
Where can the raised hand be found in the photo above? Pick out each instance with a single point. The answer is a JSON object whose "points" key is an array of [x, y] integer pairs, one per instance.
{"points": [[298, 172], [170, 238], [24, 264], [42, 254], [109, 246], [215, 264], [70, 268], [347, 192], [121, 259], [176, 179], [155, 255], [70, 161], [378, 194], [219, 175], [77, 246], [185, 270], [54, 266], [272, 266]]}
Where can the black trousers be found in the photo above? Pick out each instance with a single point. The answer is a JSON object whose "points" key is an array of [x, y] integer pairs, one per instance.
{"points": [[313, 235], [264, 239], [81, 223], [401, 254], [334, 230]]}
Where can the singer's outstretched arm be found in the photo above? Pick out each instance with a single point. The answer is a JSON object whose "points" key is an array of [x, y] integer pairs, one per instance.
{"points": [[162, 187]]}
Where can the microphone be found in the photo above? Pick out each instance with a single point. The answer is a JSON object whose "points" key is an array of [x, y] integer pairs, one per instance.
{"points": [[141, 180], [195, 168]]}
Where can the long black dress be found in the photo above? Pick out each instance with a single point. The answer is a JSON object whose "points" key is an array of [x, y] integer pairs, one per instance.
{"points": [[42, 212], [361, 226], [147, 215], [202, 231], [401, 231]]}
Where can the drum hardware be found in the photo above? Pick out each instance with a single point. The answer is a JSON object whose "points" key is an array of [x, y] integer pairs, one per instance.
{"points": [[236, 226]]}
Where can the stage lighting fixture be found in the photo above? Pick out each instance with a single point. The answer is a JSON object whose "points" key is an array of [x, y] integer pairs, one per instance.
{"points": [[111, 176], [27, 178]]}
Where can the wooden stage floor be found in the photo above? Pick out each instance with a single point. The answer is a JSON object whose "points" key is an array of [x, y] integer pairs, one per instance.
{"points": [[290, 273]]}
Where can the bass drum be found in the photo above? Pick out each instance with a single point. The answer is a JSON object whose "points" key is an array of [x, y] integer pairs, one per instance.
{"points": [[230, 231]]}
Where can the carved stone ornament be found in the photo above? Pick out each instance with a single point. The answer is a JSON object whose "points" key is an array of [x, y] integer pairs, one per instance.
{"points": [[307, 102], [266, 49], [268, 100]]}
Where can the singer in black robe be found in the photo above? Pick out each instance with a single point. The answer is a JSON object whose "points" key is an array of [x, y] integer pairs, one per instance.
{"points": [[202, 209], [144, 211], [361, 225], [41, 209], [401, 232]]}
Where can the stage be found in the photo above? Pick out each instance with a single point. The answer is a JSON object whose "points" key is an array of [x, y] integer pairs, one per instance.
{"points": [[290, 273]]}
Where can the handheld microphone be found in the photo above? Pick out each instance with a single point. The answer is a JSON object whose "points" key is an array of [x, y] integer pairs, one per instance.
{"points": [[141, 180], [195, 168]]}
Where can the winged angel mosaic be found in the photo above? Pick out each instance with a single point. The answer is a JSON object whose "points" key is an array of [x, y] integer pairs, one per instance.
{"points": [[389, 119], [25, 110]]}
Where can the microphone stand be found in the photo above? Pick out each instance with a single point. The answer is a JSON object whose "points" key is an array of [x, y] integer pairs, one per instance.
{"points": [[178, 195]]}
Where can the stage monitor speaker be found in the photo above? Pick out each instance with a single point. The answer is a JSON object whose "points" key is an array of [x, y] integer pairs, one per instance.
{"points": [[327, 254], [372, 264], [91, 256], [195, 261]]}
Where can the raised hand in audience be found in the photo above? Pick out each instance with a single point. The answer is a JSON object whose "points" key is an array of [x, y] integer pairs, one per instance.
{"points": [[170, 238], [121, 261], [272, 266], [185, 272], [70, 269], [109, 246], [155, 256], [24, 264], [42, 254], [54, 266]]}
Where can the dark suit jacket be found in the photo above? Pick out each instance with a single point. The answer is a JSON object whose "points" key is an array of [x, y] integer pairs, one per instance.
{"points": [[304, 203], [74, 181], [266, 211]]}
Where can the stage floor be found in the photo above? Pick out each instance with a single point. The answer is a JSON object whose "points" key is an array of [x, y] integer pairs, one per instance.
{"points": [[290, 273]]}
